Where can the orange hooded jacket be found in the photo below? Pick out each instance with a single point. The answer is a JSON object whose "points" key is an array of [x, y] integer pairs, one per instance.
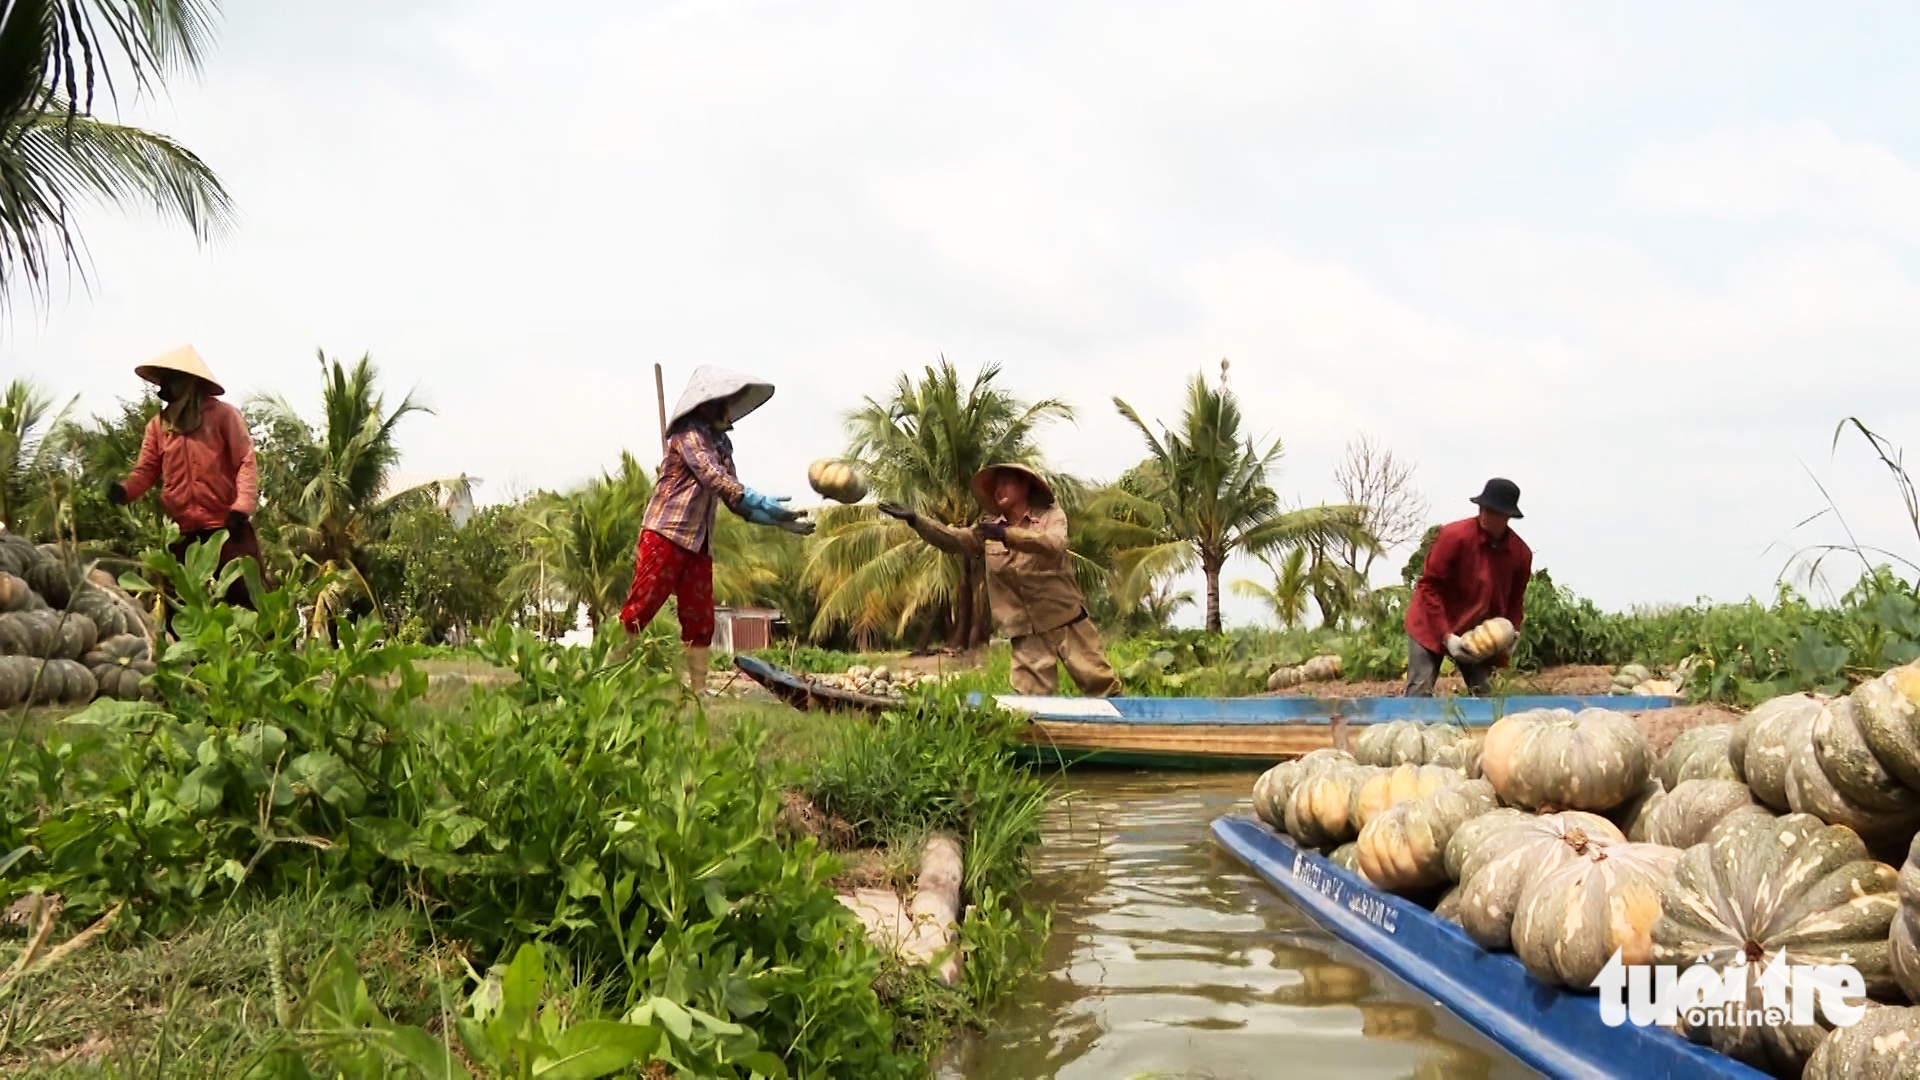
{"points": [[203, 474]]}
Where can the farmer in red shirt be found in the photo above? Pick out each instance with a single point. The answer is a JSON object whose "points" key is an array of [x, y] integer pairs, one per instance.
{"points": [[200, 454], [1477, 570], [674, 556]]}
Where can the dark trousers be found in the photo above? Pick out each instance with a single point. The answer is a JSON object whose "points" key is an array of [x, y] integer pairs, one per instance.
{"points": [[1423, 670]]}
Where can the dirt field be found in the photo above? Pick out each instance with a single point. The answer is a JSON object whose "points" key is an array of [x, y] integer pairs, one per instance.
{"points": [[1573, 679]]}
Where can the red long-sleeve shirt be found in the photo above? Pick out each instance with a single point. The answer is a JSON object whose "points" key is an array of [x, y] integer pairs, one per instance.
{"points": [[1469, 578], [202, 474]]}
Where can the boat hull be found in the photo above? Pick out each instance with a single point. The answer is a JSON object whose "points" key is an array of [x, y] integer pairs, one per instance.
{"points": [[1558, 1032]]}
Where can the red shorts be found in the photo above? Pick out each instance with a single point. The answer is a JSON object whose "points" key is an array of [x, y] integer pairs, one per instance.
{"points": [[662, 568]]}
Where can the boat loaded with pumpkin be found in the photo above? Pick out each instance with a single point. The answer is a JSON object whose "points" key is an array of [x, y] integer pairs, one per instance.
{"points": [[66, 637], [1562, 838]]}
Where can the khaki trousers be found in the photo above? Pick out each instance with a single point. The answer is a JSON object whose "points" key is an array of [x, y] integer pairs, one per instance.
{"points": [[1077, 645]]}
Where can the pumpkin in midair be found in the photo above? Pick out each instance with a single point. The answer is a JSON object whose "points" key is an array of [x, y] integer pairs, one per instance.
{"points": [[1758, 886], [837, 480]]}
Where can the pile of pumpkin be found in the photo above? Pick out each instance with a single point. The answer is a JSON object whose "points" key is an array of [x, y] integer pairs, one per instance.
{"points": [[66, 637], [1561, 837]]}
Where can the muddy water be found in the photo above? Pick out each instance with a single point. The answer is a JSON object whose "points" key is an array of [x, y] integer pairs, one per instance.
{"points": [[1170, 959]]}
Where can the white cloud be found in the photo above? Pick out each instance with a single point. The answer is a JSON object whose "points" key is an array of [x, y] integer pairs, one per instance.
{"points": [[1801, 170]]}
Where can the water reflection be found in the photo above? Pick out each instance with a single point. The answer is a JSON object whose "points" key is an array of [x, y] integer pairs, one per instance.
{"points": [[1170, 960]]}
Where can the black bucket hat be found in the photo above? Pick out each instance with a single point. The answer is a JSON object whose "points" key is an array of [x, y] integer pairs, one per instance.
{"points": [[1500, 496]]}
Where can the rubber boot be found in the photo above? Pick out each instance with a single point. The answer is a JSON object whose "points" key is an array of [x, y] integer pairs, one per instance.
{"points": [[697, 671]]}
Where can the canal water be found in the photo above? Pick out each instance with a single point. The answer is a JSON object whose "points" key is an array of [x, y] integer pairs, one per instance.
{"points": [[1171, 959]]}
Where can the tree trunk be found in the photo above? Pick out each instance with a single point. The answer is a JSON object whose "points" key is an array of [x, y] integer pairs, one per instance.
{"points": [[982, 612], [959, 634], [1211, 567]]}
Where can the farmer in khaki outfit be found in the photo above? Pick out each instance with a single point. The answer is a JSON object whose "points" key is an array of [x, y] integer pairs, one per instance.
{"points": [[1029, 580]]}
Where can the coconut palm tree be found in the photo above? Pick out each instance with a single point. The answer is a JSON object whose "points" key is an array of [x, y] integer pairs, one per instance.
{"points": [[921, 446], [342, 502], [1202, 496], [56, 153], [1287, 596], [31, 433]]}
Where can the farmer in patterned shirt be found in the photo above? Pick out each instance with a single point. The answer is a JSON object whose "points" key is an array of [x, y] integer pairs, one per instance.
{"points": [[675, 553]]}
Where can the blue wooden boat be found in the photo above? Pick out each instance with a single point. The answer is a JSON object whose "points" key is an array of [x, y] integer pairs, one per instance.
{"points": [[1231, 733], [1195, 733], [1550, 1029]]}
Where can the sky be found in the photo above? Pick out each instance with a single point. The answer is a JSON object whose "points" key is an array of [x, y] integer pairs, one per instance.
{"points": [[1640, 258]]}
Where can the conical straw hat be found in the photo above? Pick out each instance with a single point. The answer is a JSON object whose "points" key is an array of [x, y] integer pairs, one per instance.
{"points": [[984, 479], [711, 383], [184, 360]]}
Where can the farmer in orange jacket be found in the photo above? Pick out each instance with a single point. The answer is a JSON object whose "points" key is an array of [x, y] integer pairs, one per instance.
{"points": [[199, 452]]}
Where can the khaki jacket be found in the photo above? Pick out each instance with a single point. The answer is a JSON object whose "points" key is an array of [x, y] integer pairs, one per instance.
{"points": [[1029, 578]]}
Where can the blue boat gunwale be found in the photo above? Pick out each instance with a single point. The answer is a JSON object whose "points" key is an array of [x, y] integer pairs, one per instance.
{"points": [[1548, 1028], [1175, 712]]}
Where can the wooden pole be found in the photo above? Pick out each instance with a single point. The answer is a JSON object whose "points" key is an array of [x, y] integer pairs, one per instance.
{"points": [[660, 395]]}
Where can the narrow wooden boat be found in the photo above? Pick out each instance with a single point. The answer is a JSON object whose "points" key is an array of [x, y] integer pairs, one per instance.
{"points": [[1232, 733], [808, 694], [1558, 1032], [1195, 733]]}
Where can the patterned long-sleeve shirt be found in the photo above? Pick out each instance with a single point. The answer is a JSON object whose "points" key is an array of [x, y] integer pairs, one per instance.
{"points": [[695, 478]]}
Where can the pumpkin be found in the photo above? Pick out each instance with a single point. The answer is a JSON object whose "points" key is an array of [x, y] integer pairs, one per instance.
{"points": [[1759, 743], [1761, 885], [1685, 815], [1404, 742], [52, 577], [74, 635], [1906, 927], [837, 480], [16, 554], [1491, 638], [1463, 756], [1884, 1045], [63, 682], [1573, 917], [1697, 754], [16, 678], [120, 665], [105, 611], [16, 594], [1888, 712], [1347, 857], [1449, 906], [1391, 787], [1553, 759], [1320, 809], [1404, 848], [1275, 786], [1469, 840], [1512, 857], [27, 633], [1632, 815], [1812, 789], [122, 683]]}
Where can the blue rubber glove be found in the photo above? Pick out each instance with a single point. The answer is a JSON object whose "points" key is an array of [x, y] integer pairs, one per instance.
{"points": [[773, 509]]}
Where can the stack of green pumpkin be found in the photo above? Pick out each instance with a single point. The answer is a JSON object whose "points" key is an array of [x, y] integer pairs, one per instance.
{"points": [[63, 638], [1906, 927], [1852, 760]]}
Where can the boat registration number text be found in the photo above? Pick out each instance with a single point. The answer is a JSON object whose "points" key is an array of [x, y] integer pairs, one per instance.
{"points": [[1371, 908]]}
